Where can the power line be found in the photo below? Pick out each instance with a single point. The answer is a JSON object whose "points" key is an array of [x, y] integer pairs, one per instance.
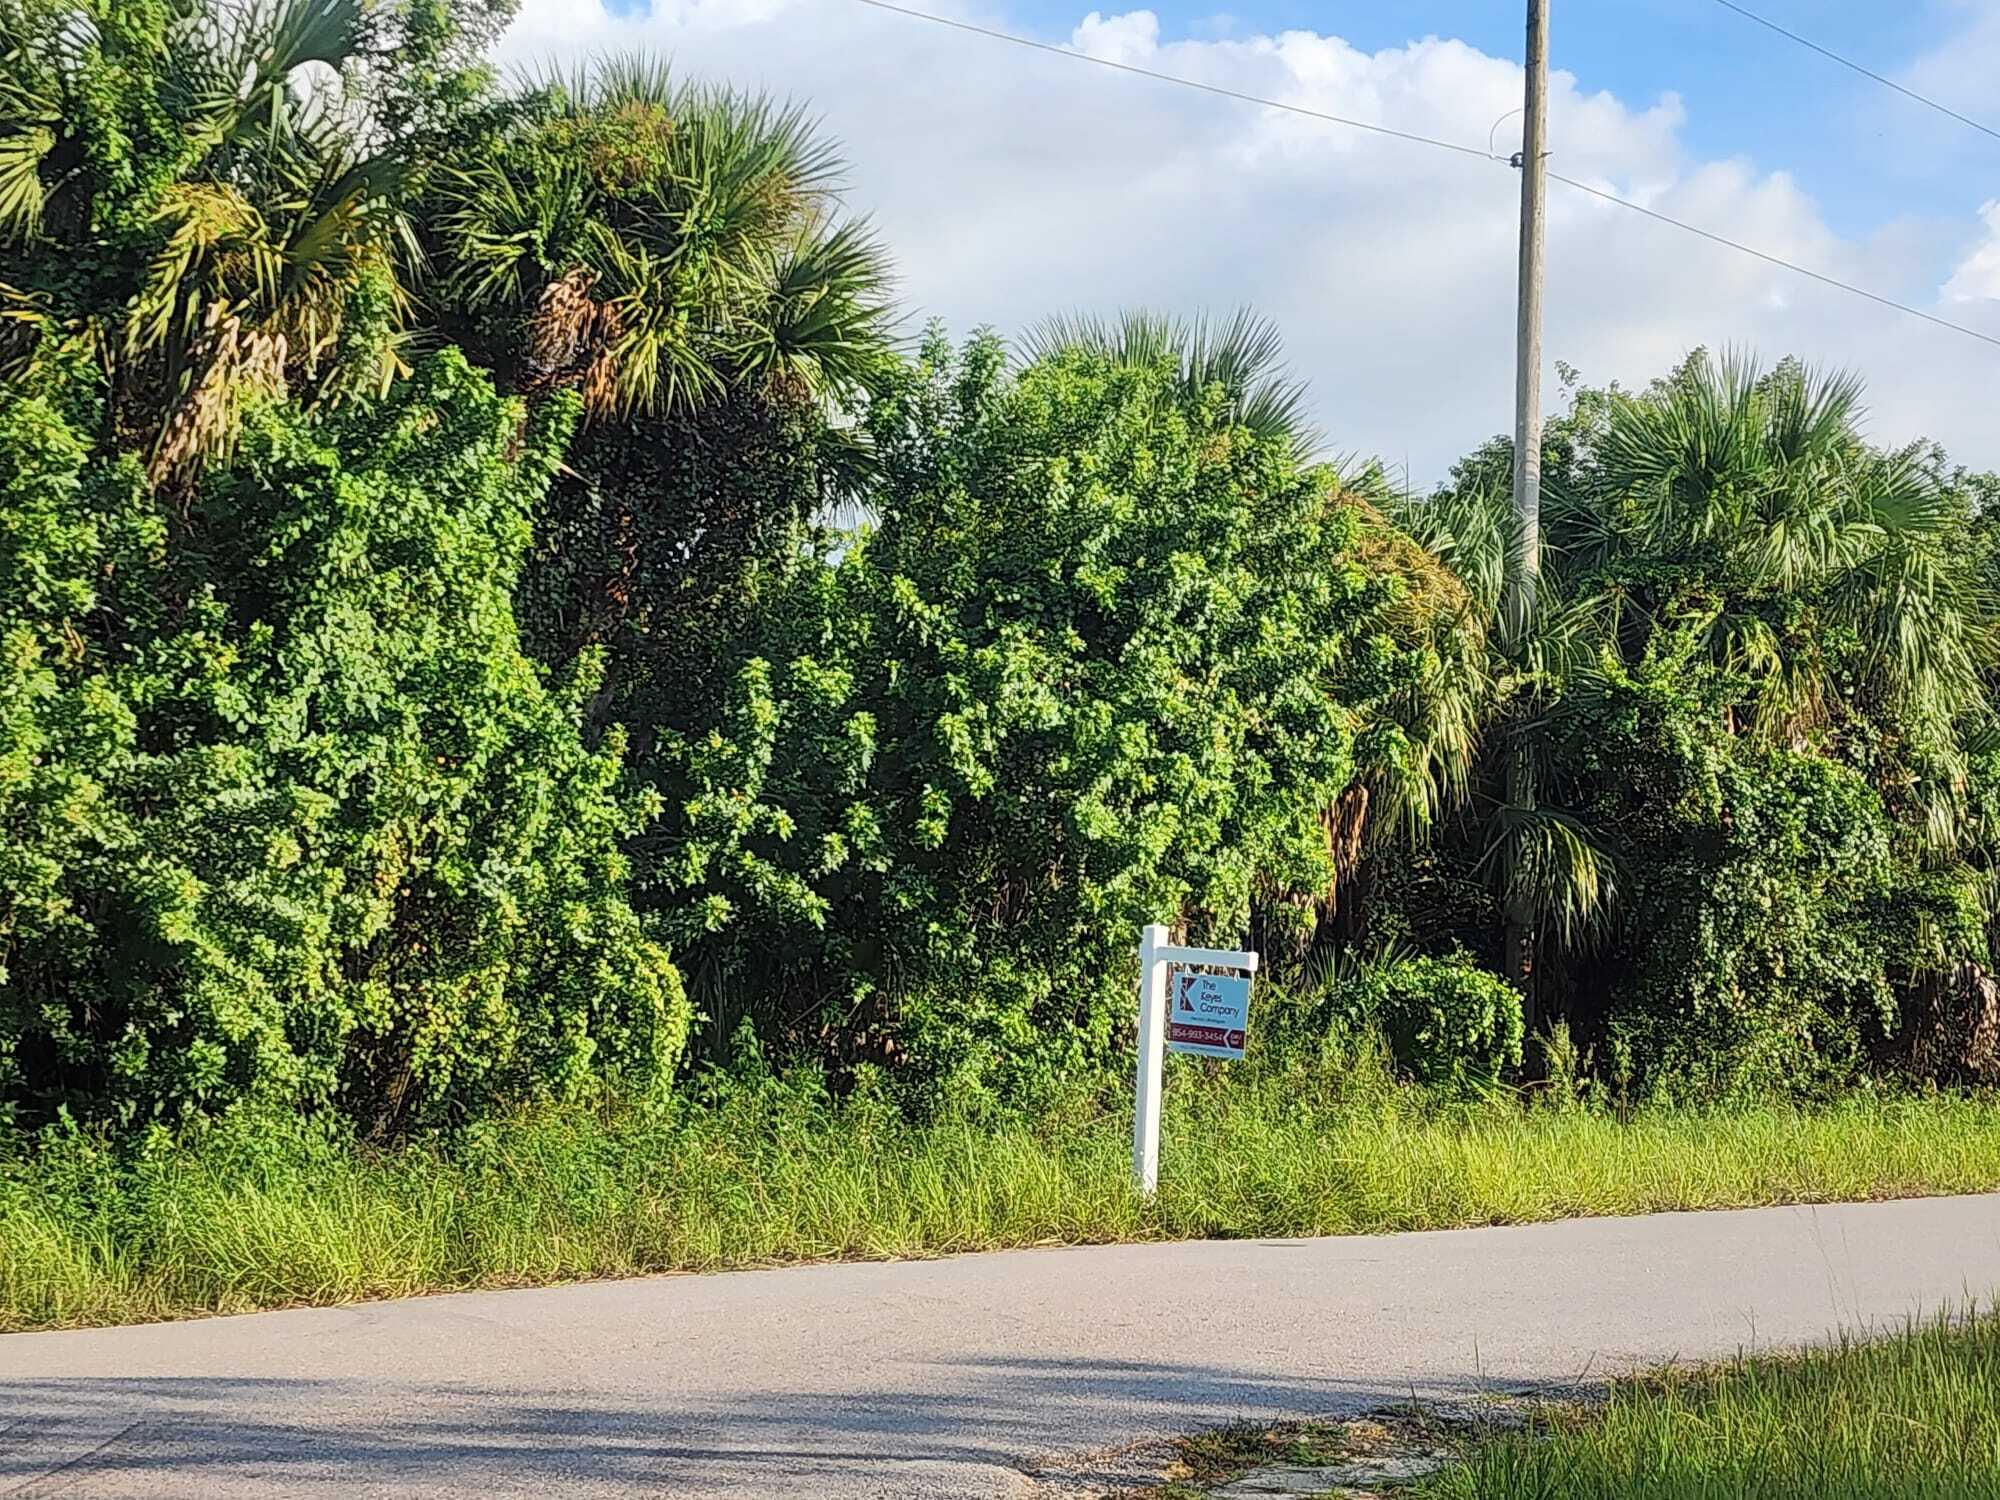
{"points": [[1186, 83], [1850, 63], [1443, 145], [1809, 274]]}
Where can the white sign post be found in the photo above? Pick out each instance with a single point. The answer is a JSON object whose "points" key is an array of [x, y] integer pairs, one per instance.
{"points": [[1214, 1024]]}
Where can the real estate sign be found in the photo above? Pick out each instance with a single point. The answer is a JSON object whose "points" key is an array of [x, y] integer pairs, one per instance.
{"points": [[1207, 1014]]}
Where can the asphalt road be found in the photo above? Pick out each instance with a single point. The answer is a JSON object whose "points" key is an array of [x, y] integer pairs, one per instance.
{"points": [[959, 1378]]}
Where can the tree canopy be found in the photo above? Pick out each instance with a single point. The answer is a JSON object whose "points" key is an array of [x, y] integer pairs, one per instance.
{"points": [[493, 609]]}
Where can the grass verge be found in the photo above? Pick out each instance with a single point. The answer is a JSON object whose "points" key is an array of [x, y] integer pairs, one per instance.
{"points": [[255, 1215], [1913, 1417]]}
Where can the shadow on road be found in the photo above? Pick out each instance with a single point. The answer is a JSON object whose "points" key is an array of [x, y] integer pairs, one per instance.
{"points": [[965, 1428]]}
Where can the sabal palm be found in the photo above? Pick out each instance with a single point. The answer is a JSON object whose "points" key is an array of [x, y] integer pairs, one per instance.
{"points": [[1743, 506], [1243, 355], [246, 198], [656, 243], [1832, 577]]}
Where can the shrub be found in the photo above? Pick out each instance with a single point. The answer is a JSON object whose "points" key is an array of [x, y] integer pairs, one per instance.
{"points": [[1448, 1022], [286, 816], [1095, 666], [1774, 909]]}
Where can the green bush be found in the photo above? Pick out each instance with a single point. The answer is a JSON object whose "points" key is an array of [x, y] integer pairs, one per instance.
{"points": [[286, 816], [1773, 910], [1448, 1022], [1096, 665]]}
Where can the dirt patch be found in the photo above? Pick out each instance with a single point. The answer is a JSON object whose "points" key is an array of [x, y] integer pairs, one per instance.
{"points": [[1354, 1457]]}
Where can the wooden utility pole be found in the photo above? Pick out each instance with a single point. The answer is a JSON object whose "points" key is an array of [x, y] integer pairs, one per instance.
{"points": [[1524, 565]]}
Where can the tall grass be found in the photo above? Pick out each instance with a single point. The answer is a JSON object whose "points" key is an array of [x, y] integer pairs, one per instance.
{"points": [[1912, 1417], [257, 1216]]}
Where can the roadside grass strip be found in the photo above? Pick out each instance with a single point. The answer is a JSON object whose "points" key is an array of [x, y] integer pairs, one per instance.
{"points": [[233, 1221], [1911, 1416]]}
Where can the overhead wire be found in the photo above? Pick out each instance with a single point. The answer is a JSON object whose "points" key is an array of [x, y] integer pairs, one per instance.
{"points": [[995, 34], [1751, 250], [1849, 63], [1187, 83]]}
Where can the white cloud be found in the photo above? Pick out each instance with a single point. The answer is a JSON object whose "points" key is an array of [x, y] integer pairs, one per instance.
{"points": [[1012, 184], [1977, 277]]}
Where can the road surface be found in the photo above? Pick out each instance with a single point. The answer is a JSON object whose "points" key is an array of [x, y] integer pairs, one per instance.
{"points": [[960, 1378]]}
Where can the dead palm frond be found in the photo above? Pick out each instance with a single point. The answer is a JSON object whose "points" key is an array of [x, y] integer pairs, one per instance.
{"points": [[259, 219], [658, 243], [232, 367]]}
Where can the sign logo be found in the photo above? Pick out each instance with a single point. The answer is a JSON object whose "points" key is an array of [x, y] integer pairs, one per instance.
{"points": [[1211, 1015]]}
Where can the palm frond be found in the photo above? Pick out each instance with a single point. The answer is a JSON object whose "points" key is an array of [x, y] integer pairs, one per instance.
{"points": [[232, 366], [648, 361], [1425, 767], [1470, 530], [825, 332], [699, 222], [1243, 355], [22, 196], [241, 63], [1809, 412], [1547, 862], [43, 56], [217, 248]]}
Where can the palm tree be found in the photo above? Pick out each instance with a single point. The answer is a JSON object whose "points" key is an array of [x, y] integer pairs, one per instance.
{"points": [[656, 244], [1739, 509], [1835, 579], [1554, 875], [1242, 355], [675, 255], [1417, 750], [216, 146]]}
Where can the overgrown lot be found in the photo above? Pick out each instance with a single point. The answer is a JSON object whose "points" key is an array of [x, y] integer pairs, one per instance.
{"points": [[506, 647]]}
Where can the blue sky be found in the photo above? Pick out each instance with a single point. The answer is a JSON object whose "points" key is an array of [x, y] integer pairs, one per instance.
{"points": [[1011, 185], [1865, 153]]}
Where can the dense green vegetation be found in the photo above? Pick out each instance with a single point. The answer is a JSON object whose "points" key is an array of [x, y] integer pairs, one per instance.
{"points": [[494, 619], [1914, 1415], [1758, 705], [293, 816]]}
